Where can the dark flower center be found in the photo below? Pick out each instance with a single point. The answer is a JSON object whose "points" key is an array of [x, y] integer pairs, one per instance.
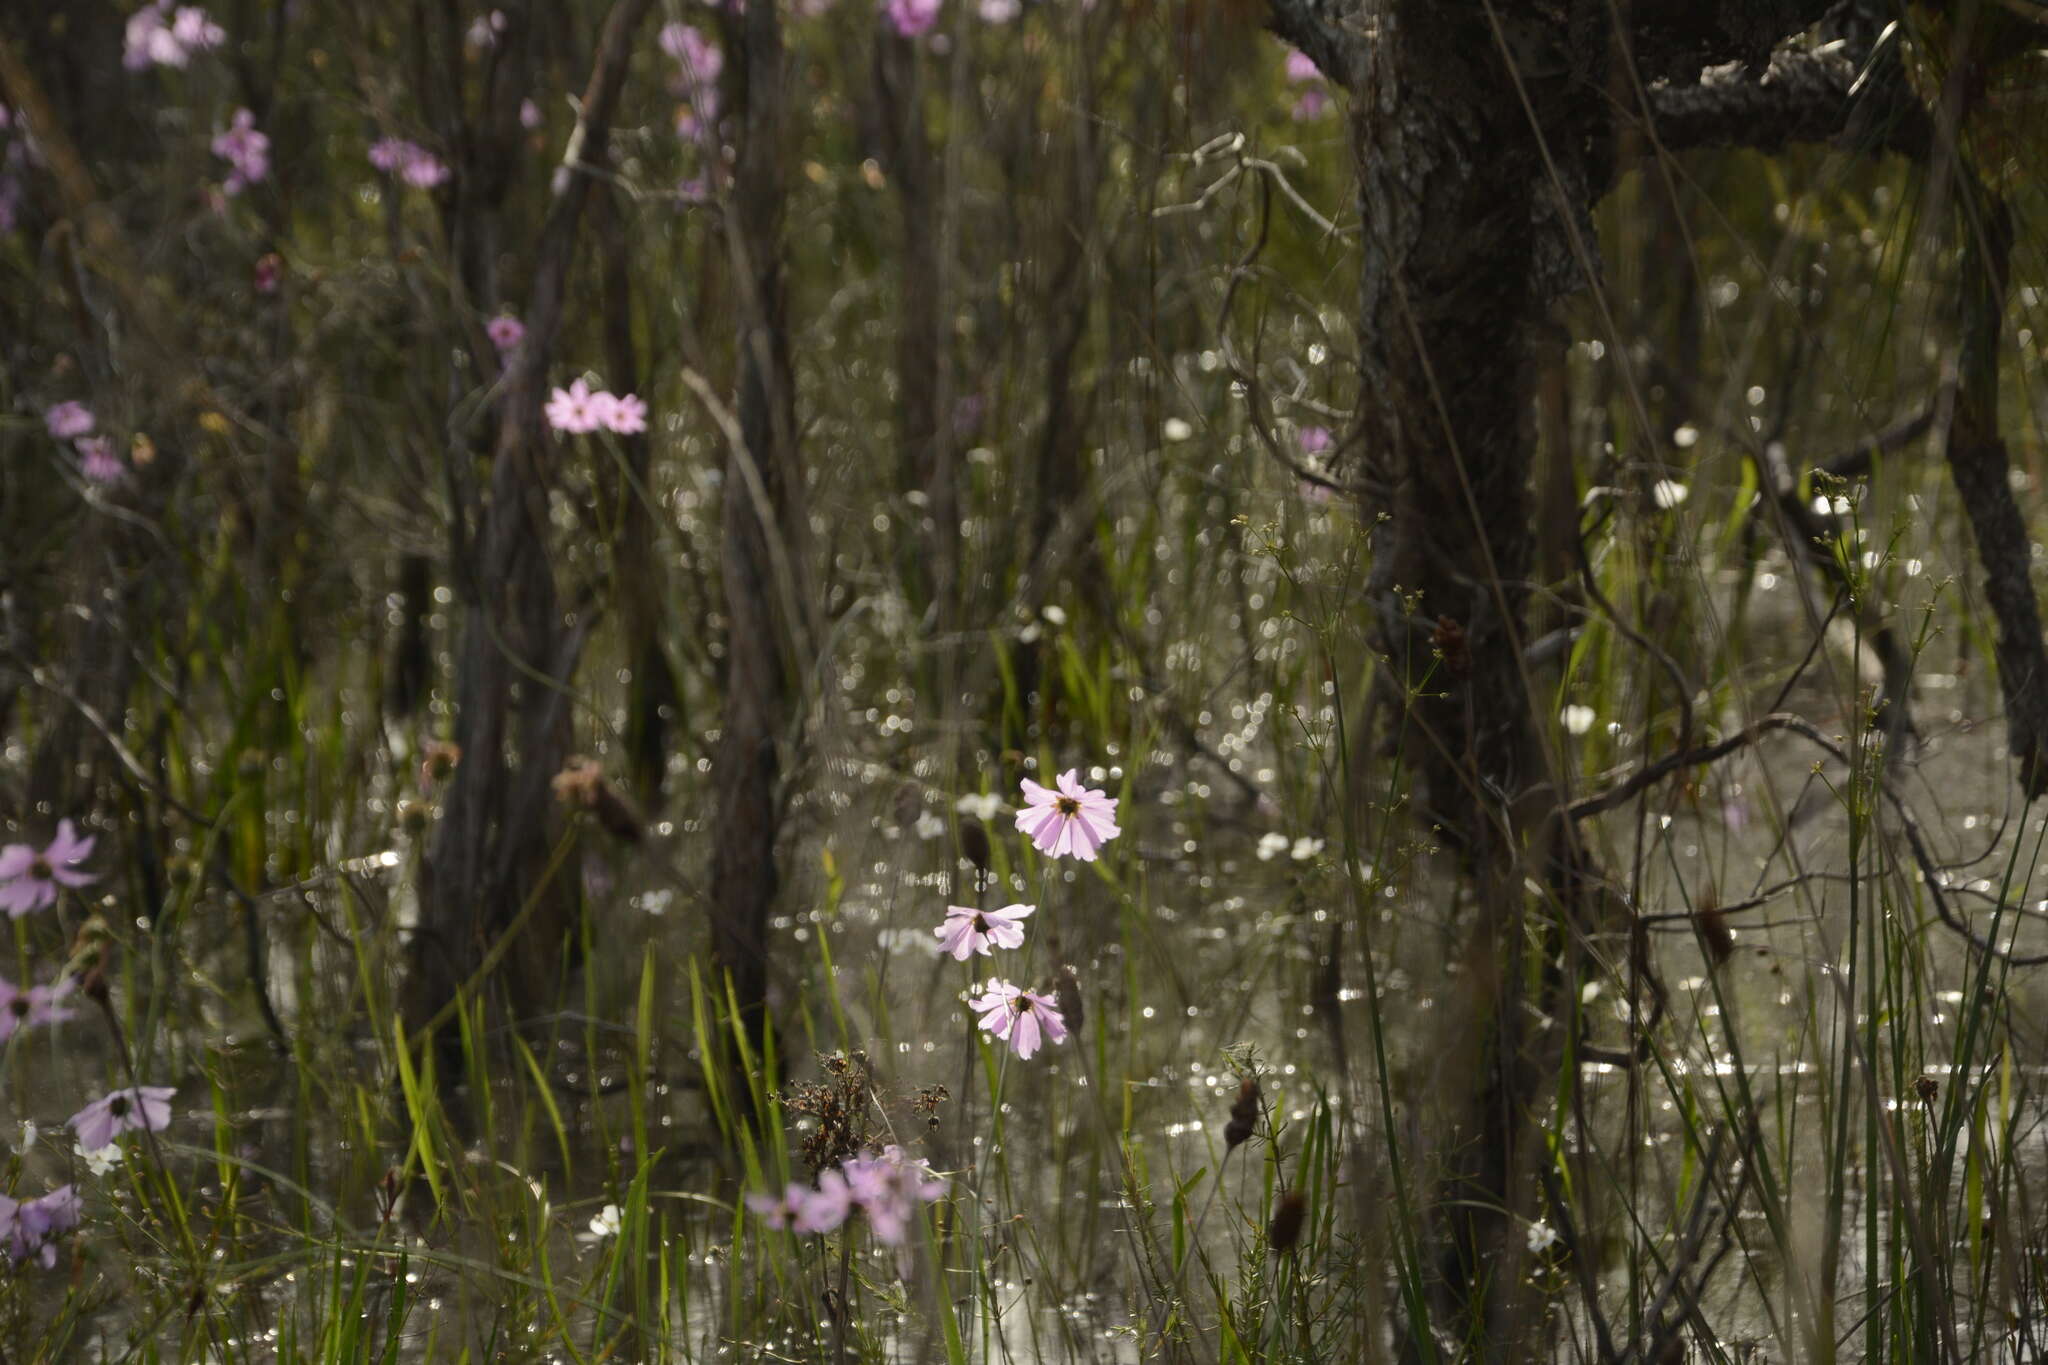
{"points": [[980, 922], [119, 1108], [18, 1006], [1066, 805], [40, 869]]}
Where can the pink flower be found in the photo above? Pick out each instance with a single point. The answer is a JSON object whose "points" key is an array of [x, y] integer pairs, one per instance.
{"points": [[106, 1118], [913, 18], [1301, 68], [1019, 1017], [1312, 105], [968, 931], [780, 1211], [505, 332], [1313, 440], [889, 1189], [529, 115], [29, 1230], [627, 415], [423, 171], [151, 40], [244, 148], [699, 57], [29, 880], [574, 409], [1074, 820], [826, 1207], [1000, 11], [389, 153], [97, 460], [412, 163], [20, 1009], [68, 419]]}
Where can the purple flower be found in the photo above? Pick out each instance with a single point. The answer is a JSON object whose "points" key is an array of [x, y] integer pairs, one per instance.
{"points": [[1074, 820], [968, 931], [573, 409], [29, 1230], [244, 148], [29, 880], [699, 57], [423, 171], [152, 40], [1312, 105], [97, 460], [68, 419], [625, 415], [389, 153], [411, 162], [1019, 1017], [889, 1189], [1301, 68], [780, 1211], [826, 1207], [913, 18], [1313, 440], [106, 1118], [505, 332], [20, 1009], [529, 115]]}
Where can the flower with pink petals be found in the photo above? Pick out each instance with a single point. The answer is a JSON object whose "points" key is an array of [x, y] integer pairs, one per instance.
{"points": [[574, 409], [968, 931], [1072, 820], [780, 1211], [700, 58], [889, 1189], [68, 419], [505, 332], [97, 460], [246, 149], [20, 1009], [29, 879], [1000, 11], [825, 1208], [626, 415], [28, 1230], [1312, 105], [1019, 1017], [913, 18], [423, 171], [1301, 68], [124, 1111]]}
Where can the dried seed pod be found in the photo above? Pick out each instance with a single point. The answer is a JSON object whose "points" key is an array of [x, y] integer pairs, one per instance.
{"points": [[1452, 647], [1927, 1089], [1244, 1115], [1715, 935], [1067, 997], [1289, 1216], [974, 846]]}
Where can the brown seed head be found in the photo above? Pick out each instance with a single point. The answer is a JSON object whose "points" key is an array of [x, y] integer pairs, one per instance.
{"points": [[1244, 1115], [1289, 1215]]}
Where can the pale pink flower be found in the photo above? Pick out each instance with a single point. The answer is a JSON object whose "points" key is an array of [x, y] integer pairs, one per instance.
{"points": [[780, 1211], [97, 460], [1018, 1017], [20, 1009], [245, 149], [913, 18], [505, 332], [826, 1207], [968, 931], [626, 415], [529, 115], [699, 56], [1301, 68], [1073, 820], [574, 409], [1000, 11], [389, 153], [29, 1229], [29, 879], [68, 419], [1312, 105], [889, 1189], [124, 1111], [1313, 440], [423, 171]]}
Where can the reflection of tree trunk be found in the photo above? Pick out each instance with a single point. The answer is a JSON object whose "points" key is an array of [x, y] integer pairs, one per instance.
{"points": [[636, 570], [491, 849], [1977, 461], [926, 456], [763, 535]]}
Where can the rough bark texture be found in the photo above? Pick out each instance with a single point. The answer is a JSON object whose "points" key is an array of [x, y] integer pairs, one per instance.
{"points": [[762, 555]]}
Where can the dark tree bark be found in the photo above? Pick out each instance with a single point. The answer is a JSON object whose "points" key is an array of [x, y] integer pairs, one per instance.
{"points": [[764, 532]]}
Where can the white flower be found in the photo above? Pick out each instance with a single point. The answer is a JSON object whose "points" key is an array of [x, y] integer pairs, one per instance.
{"points": [[1578, 719], [985, 806], [1272, 846], [1668, 493], [1058, 617], [608, 1221], [929, 826], [28, 1136], [1306, 848], [1542, 1237], [1173, 429], [1686, 437], [100, 1160]]}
